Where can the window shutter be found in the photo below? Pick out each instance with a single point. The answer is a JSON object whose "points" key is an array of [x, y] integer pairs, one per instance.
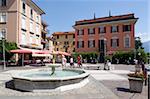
{"points": [[77, 44], [82, 43], [93, 30], [117, 28], [77, 32], [117, 42], [93, 43], [111, 29], [111, 43], [104, 29]]}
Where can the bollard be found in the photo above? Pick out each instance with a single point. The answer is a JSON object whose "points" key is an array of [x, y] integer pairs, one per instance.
{"points": [[148, 86]]}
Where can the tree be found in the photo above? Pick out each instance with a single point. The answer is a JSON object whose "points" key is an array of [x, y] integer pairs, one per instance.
{"points": [[138, 43], [8, 46]]}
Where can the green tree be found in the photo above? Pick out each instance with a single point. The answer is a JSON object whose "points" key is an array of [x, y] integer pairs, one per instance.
{"points": [[8, 46], [138, 43]]}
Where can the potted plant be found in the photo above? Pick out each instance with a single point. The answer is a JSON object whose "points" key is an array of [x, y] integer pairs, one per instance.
{"points": [[136, 81]]}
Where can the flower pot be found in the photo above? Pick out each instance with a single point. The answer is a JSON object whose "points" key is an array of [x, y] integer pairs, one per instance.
{"points": [[136, 84]]}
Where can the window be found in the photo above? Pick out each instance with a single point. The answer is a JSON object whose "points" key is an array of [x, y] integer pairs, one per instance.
{"points": [[91, 31], [23, 38], [114, 43], [23, 23], [23, 8], [91, 43], [37, 19], [66, 43], [114, 29], [37, 39], [102, 29], [2, 17], [74, 50], [80, 44], [2, 3], [66, 36], [57, 36], [57, 49], [31, 27], [2, 33], [73, 42], [37, 29], [31, 38], [31, 13], [127, 42], [80, 32], [126, 28], [73, 36]]}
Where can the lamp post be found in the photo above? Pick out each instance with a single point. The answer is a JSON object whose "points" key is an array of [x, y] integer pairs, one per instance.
{"points": [[54, 40], [105, 48], [3, 44]]}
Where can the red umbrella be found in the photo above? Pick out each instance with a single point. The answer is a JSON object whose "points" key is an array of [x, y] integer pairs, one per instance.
{"points": [[42, 52], [21, 51], [65, 53], [61, 53]]}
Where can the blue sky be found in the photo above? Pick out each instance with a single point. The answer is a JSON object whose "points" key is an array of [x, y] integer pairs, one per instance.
{"points": [[62, 14]]}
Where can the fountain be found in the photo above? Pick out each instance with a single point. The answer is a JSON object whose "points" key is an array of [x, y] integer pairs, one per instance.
{"points": [[49, 79]]}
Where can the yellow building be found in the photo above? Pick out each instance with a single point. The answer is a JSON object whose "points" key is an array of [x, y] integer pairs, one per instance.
{"points": [[64, 41]]}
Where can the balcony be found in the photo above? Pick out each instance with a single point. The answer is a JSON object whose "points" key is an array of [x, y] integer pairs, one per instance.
{"points": [[43, 41], [45, 31]]}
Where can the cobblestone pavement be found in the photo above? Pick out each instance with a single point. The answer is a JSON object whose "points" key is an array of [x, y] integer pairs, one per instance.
{"points": [[115, 80]]}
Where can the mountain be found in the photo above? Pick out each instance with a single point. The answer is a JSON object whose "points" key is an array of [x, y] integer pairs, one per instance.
{"points": [[146, 46]]}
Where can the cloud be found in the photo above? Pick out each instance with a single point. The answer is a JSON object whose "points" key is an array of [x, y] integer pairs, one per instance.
{"points": [[144, 36]]}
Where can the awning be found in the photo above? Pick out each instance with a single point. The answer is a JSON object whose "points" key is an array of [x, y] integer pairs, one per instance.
{"points": [[60, 52], [41, 55], [21, 51], [42, 52]]}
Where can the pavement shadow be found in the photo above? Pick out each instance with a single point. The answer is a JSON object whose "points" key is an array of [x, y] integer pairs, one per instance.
{"points": [[123, 89]]}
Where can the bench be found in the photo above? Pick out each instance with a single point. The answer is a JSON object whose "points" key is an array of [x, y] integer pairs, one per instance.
{"points": [[93, 67]]}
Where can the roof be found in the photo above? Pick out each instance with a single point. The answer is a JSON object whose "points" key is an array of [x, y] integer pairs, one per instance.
{"points": [[35, 6], [106, 19], [64, 33]]}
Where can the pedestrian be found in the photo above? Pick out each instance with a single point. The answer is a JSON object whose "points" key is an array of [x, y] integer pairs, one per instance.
{"points": [[109, 64], [71, 62], [79, 58], [63, 61], [144, 71]]}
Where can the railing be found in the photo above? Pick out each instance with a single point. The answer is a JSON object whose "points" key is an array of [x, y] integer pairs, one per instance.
{"points": [[149, 86]]}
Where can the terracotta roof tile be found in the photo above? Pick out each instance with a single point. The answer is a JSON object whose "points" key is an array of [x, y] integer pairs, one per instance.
{"points": [[105, 19], [64, 33]]}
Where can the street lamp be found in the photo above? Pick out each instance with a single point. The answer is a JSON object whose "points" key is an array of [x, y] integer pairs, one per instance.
{"points": [[3, 44], [105, 47]]}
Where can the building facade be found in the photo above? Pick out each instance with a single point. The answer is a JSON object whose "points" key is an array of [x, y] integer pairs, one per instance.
{"points": [[44, 40], [105, 35], [21, 22], [64, 41]]}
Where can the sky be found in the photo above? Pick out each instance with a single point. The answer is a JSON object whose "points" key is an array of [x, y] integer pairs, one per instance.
{"points": [[62, 14]]}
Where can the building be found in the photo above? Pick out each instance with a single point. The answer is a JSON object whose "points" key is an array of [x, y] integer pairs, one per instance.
{"points": [[64, 41], [44, 40], [105, 35], [21, 22]]}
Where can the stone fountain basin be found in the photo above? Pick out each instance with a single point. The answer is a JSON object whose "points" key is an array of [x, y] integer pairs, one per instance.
{"points": [[24, 83]]}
